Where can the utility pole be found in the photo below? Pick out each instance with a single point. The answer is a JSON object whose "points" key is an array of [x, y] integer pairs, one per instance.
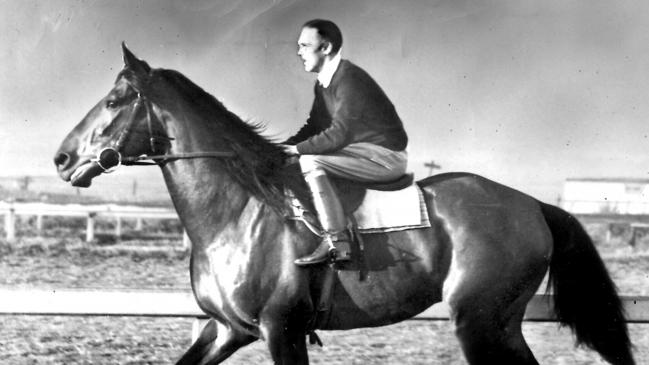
{"points": [[432, 166], [134, 189]]}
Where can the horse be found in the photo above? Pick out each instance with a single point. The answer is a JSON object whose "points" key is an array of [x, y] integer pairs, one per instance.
{"points": [[485, 253]]}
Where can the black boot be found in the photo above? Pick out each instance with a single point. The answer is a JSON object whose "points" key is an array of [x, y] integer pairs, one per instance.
{"points": [[335, 248], [335, 244], [321, 254]]}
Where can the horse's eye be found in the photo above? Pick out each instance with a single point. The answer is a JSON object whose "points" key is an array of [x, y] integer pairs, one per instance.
{"points": [[110, 104]]}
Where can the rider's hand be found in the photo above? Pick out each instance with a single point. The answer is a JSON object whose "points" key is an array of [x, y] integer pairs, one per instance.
{"points": [[290, 149]]}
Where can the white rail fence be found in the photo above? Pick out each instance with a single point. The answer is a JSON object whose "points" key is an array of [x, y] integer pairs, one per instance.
{"points": [[11, 210], [620, 207], [180, 303], [119, 213]]}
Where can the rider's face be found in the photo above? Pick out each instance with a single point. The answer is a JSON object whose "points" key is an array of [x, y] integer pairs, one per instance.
{"points": [[311, 49]]}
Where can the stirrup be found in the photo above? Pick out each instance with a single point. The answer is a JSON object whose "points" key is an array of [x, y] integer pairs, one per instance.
{"points": [[329, 250], [340, 246]]}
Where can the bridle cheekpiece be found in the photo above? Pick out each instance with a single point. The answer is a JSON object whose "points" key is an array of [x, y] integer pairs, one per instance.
{"points": [[110, 158]]}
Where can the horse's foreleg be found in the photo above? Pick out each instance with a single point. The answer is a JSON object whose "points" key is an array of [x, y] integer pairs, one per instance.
{"points": [[213, 347], [287, 345]]}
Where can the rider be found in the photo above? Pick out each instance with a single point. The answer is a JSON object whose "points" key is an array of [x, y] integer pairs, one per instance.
{"points": [[353, 131]]}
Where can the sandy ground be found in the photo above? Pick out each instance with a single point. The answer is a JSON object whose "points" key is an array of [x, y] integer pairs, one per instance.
{"points": [[51, 263], [137, 340]]}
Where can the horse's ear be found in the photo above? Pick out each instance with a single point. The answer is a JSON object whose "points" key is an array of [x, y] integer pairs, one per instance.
{"points": [[134, 63]]}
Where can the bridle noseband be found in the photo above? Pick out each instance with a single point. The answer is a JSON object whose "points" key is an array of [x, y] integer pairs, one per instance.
{"points": [[109, 158]]}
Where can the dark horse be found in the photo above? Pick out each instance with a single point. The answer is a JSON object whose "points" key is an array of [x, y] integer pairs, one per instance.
{"points": [[485, 254]]}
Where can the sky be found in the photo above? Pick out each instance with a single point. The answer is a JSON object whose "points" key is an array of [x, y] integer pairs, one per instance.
{"points": [[527, 93]]}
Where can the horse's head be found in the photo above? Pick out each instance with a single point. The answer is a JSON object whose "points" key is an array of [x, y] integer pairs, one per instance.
{"points": [[119, 129], [137, 118]]}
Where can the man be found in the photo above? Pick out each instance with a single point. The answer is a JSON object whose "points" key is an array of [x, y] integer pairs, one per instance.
{"points": [[353, 131]]}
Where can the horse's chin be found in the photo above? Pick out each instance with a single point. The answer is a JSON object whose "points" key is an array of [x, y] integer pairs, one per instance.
{"points": [[83, 175]]}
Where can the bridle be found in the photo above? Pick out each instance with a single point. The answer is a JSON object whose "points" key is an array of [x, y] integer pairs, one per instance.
{"points": [[109, 158]]}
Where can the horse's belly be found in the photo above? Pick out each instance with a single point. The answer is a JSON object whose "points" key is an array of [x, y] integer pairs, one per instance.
{"points": [[379, 301], [403, 276]]}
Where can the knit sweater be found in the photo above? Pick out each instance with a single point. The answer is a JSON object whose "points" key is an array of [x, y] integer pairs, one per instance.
{"points": [[352, 109]]}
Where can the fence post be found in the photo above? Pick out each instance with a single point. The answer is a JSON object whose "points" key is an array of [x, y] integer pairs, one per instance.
{"points": [[186, 241], [10, 223], [609, 234], [138, 224], [39, 224], [118, 227], [90, 227]]}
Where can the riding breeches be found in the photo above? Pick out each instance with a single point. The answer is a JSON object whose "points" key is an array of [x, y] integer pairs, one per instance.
{"points": [[364, 162]]}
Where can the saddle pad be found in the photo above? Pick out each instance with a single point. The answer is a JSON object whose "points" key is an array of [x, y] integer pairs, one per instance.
{"points": [[390, 211]]}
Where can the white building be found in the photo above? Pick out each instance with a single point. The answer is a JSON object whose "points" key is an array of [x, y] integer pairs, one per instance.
{"points": [[606, 195]]}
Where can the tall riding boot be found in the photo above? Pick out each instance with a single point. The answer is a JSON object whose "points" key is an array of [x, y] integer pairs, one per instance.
{"points": [[335, 242]]}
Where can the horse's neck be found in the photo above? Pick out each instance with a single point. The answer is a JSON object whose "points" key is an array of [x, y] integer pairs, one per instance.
{"points": [[206, 197], [203, 198]]}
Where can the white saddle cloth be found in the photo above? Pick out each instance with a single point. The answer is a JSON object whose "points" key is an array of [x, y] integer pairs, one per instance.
{"points": [[382, 211], [389, 211]]}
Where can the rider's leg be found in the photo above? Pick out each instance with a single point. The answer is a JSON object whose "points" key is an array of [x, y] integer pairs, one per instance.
{"points": [[360, 162], [363, 162], [331, 215]]}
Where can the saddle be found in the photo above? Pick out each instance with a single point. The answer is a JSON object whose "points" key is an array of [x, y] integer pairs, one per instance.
{"points": [[370, 208], [352, 193]]}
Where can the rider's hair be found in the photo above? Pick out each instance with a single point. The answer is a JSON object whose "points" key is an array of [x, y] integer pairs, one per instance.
{"points": [[329, 31]]}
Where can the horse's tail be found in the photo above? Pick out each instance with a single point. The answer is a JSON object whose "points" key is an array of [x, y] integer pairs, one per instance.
{"points": [[585, 297]]}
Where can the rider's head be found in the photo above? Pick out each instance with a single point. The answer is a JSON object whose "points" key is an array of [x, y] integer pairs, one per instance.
{"points": [[320, 40]]}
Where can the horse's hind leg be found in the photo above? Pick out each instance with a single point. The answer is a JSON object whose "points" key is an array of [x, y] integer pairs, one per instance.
{"points": [[213, 347], [492, 336]]}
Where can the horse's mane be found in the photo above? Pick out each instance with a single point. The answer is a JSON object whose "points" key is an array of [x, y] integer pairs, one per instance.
{"points": [[259, 165]]}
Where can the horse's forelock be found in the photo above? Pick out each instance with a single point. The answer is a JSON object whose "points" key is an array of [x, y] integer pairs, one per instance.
{"points": [[139, 82]]}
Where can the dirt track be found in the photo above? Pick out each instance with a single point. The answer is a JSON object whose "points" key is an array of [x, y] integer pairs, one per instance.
{"points": [[136, 340], [122, 340]]}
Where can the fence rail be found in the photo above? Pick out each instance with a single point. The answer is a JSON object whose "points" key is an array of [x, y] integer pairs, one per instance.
{"points": [[622, 207], [91, 212], [118, 213], [180, 303]]}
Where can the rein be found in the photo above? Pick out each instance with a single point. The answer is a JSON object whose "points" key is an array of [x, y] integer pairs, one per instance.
{"points": [[109, 158]]}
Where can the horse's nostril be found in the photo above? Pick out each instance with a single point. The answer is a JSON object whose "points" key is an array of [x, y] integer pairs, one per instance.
{"points": [[62, 159]]}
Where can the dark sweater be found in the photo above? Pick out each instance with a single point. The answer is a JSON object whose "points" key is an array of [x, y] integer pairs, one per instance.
{"points": [[352, 109]]}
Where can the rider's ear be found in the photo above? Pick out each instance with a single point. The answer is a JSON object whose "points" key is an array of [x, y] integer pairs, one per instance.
{"points": [[326, 47], [134, 63]]}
